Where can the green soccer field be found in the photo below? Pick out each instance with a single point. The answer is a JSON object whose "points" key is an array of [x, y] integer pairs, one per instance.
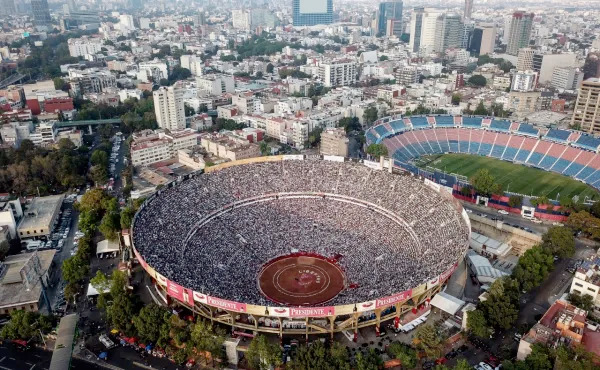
{"points": [[514, 178]]}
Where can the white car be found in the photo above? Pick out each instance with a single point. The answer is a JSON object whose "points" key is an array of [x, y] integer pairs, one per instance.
{"points": [[557, 224], [536, 221], [502, 212]]}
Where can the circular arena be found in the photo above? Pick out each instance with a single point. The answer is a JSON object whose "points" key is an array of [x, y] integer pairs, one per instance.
{"points": [[290, 244]]}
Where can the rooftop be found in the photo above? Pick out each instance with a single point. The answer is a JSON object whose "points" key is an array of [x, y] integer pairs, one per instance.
{"points": [[20, 283], [40, 212]]}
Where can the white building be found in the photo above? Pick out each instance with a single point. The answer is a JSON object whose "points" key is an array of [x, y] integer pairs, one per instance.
{"points": [[151, 147], [587, 281], [155, 70], [193, 63], [566, 78], [169, 107], [524, 81], [240, 19], [82, 47], [126, 22], [340, 72], [425, 30], [145, 23], [215, 85]]}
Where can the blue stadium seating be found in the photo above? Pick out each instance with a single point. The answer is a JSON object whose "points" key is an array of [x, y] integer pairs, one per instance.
{"points": [[497, 151], [593, 177], [547, 162], [585, 172], [419, 148], [535, 158], [371, 138], [444, 146], [436, 146], [573, 169], [453, 146], [472, 121], [588, 142], [510, 153], [501, 125], [381, 130], [444, 121], [485, 149], [527, 129], [419, 121], [558, 135], [560, 165], [463, 146], [474, 147], [398, 125], [428, 147], [522, 155]]}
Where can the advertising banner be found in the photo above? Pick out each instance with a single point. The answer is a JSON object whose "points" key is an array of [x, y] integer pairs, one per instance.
{"points": [[446, 275], [161, 279], [393, 299], [199, 297], [366, 306], [225, 304], [175, 291], [293, 157], [333, 158], [311, 311], [433, 282], [279, 311], [188, 296]]}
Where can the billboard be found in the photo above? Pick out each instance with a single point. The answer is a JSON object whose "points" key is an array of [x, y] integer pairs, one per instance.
{"points": [[311, 311], [313, 6], [393, 299], [225, 304]]}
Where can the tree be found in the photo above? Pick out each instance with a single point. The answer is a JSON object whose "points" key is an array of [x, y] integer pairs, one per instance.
{"points": [[477, 324], [25, 325], [462, 364], [533, 267], [270, 68], [74, 269], [264, 148], [152, 324], [315, 356], [559, 241], [93, 201], [208, 338], [584, 301], [428, 339], [407, 355], [383, 58], [370, 115], [121, 312], [350, 124], [456, 99], [477, 80], [189, 111], [377, 150], [584, 222], [126, 217], [111, 222], [515, 201], [314, 137], [501, 308], [59, 83], [480, 110], [262, 354], [484, 183], [105, 131], [370, 361], [539, 358]]}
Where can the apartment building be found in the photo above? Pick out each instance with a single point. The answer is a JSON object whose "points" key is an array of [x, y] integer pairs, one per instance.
{"points": [[155, 146], [334, 142], [586, 113], [340, 72], [212, 85], [229, 146], [169, 107]]}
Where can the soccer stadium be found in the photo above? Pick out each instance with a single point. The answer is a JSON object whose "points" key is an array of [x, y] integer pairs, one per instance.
{"points": [[565, 152], [300, 244]]}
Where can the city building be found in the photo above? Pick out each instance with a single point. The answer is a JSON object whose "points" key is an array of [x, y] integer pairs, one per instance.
{"points": [[8, 7], [153, 71], [169, 107], [82, 47], [586, 113], [523, 102], [240, 19], [24, 279], [524, 81], [563, 323], [407, 75], [229, 146], [545, 63], [483, 40], [424, 26], [389, 18], [587, 281], [451, 32], [41, 14], [126, 22], [519, 32], [334, 142], [91, 80], [525, 59], [468, 9], [338, 72], [40, 216], [150, 146], [11, 214], [566, 78], [79, 19], [213, 85], [193, 63], [312, 12]]}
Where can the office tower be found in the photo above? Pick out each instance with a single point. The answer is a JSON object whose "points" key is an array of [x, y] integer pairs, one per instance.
{"points": [[451, 32], [468, 9], [586, 114], [467, 34], [566, 78], [424, 30], [525, 59], [520, 32], [546, 63], [8, 7], [389, 18], [483, 40], [41, 14], [312, 12], [169, 108], [240, 19]]}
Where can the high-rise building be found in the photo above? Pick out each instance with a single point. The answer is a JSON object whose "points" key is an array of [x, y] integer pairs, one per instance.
{"points": [[483, 40], [520, 32], [525, 59], [8, 7], [169, 107], [126, 22], [586, 114], [240, 18], [468, 9], [340, 72], [591, 68], [467, 34], [524, 81], [546, 63], [41, 13], [334, 142], [389, 18], [312, 12], [566, 78], [451, 32], [424, 30]]}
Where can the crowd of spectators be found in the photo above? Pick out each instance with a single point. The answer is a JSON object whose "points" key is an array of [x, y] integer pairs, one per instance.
{"points": [[409, 235]]}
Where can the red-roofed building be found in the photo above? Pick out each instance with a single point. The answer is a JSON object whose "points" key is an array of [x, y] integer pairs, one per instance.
{"points": [[563, 323]]}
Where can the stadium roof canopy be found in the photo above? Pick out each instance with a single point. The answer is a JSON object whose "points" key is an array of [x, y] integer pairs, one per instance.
{"points": [[447, 303]]}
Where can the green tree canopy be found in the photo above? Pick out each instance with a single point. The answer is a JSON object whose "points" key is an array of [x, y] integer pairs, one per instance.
{"points": [[377, 150], [428, 339], [477, 80], [317, 356], [484, 183], [515, 201], [477, 324], [501, 308], [262, 354], [559, 240], [406, 354], [152, 324], [533, 267]]}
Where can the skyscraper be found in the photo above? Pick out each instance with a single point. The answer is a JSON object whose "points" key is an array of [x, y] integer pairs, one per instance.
{"points": [[389, 17], [8, 7], [586, 114], [451, 32], [425, 31], [312, 12], [169, 108], [41, 14], [468, 9], [520, 32], [483, 40]]}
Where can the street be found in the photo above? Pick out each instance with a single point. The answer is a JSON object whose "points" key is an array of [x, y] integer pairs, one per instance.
{"points": [[12, 358], [509, 218]]}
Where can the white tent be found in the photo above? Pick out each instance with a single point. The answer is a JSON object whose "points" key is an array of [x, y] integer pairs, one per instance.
{"points": [[447, 303], [106, 246], [92, 292]]}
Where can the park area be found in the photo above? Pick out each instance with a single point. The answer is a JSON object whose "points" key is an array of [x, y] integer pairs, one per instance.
{"points": [[514, 178]]}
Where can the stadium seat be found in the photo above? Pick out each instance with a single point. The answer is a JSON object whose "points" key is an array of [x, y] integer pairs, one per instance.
{"points": [[547, 162], [501, 125], [528, 129], [485, 149], [444, 121], [573, 169], [419, 121], [382, 131], [472, 121], [522, 155], [588, 142], [510, 153], [558, 135], [497, 151], [560, 165]]}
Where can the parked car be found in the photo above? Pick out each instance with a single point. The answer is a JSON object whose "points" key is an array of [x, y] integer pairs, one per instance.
{"points": [[502, 212], [536, 221]]}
